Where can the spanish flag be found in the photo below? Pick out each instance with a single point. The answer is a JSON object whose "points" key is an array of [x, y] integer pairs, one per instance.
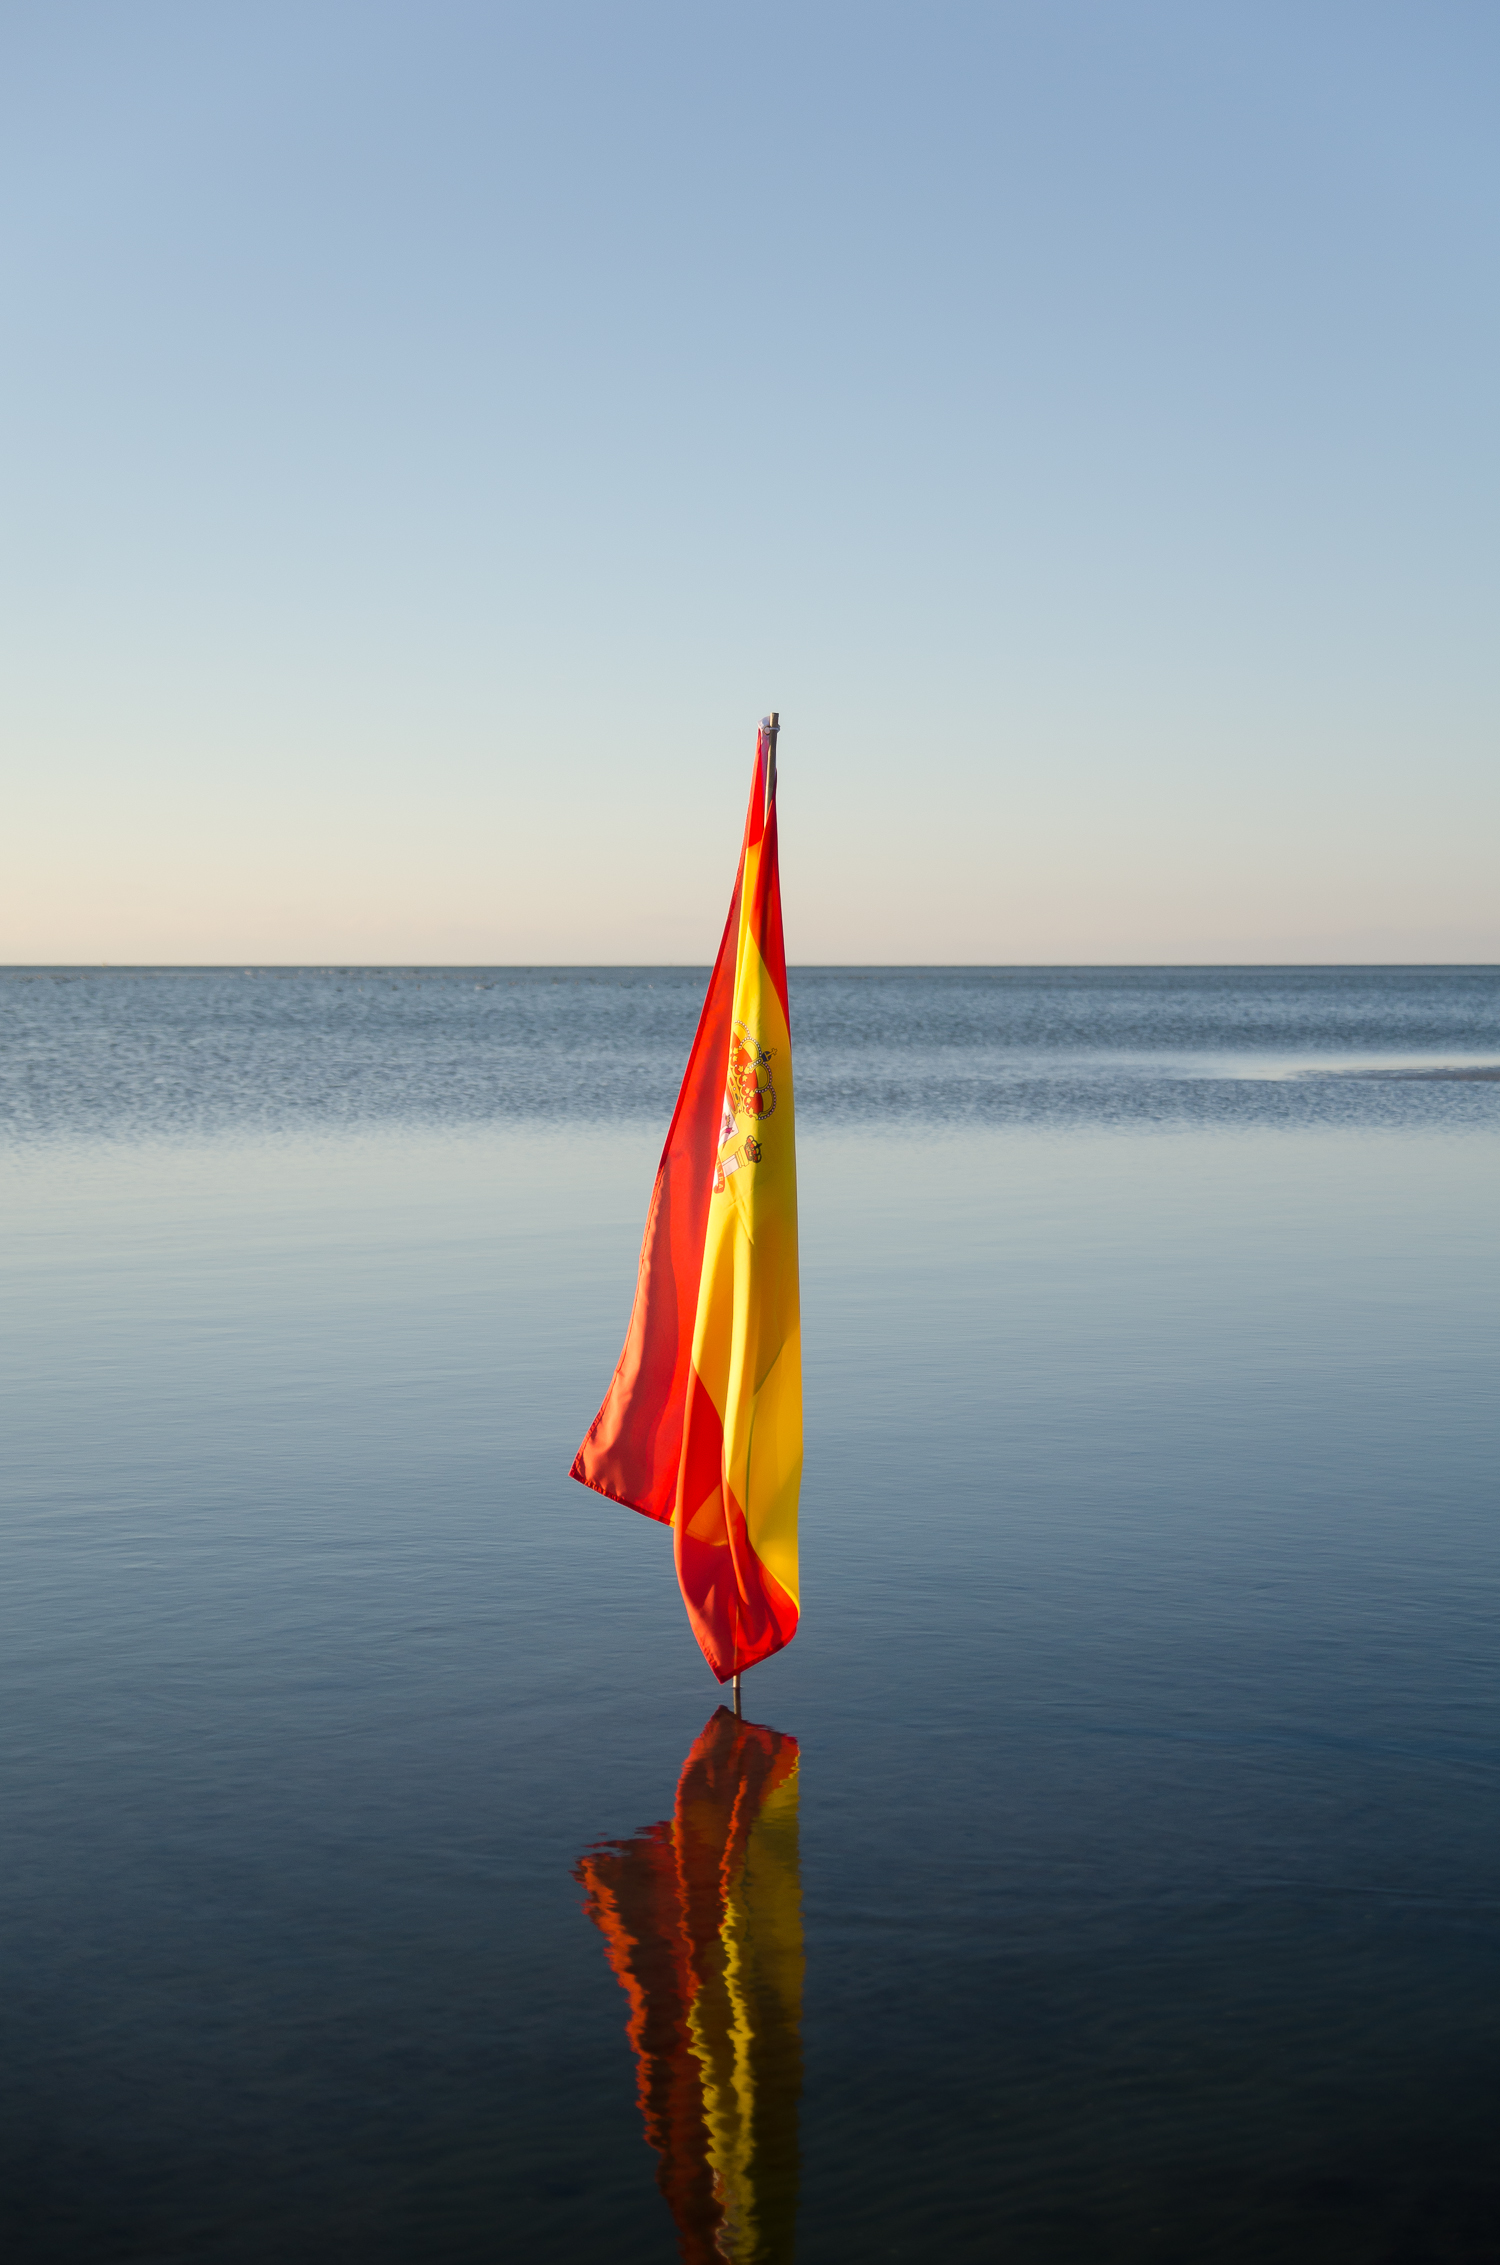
{"points": [[702, 1425], [702, 1923]]}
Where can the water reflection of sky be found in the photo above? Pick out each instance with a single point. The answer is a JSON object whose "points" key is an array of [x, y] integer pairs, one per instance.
{"points": [[166, 1054], [1146, 1679]]}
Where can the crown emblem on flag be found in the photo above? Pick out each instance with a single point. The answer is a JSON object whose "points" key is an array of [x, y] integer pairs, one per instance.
{"points": [[751, 1091]]}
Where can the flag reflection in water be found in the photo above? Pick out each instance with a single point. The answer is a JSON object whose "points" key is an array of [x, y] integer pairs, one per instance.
{"points": [[702, 1921]]}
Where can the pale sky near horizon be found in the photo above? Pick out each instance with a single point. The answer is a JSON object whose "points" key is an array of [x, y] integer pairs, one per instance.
{"points": [[433, 434]]}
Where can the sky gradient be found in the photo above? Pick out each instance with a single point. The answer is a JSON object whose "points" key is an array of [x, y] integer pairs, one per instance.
{"points": [[433, 434]]}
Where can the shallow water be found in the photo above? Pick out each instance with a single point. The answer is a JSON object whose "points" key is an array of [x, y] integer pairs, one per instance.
{"points": [[1145, 1695]]}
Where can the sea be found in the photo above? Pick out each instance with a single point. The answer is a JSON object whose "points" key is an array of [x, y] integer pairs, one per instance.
{"points": [[1108, 1871]]}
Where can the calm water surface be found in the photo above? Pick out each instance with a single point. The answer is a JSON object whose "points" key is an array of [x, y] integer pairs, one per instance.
{"points": [[1113, 1871]]}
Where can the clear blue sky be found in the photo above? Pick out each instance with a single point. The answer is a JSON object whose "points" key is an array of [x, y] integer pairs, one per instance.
{"points": [[433, 433]]}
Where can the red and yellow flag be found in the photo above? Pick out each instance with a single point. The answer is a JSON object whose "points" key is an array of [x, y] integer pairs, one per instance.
{"points": [[702, 1425]]}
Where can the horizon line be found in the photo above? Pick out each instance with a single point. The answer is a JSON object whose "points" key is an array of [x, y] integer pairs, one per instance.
{"points": [[806, 967]]}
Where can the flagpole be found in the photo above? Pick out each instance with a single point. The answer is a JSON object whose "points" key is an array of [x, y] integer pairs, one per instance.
{"points": [[772, 730]]}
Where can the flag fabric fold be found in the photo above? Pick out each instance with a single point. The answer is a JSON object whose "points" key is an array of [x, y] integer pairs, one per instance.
{"points": [[702, 1425]]}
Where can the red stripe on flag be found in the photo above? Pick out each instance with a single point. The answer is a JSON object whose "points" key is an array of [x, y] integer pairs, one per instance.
{"points": [[633, 1448], [765, 916]]}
